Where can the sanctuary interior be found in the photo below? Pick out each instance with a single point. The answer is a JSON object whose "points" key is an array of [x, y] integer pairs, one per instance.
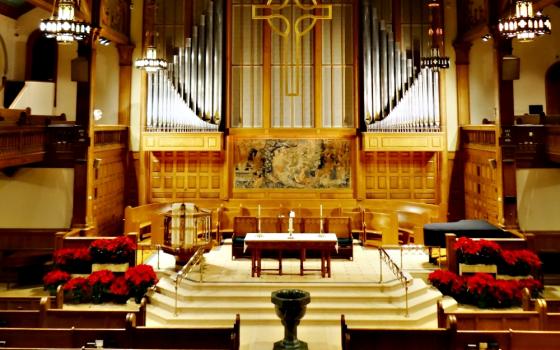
{"points": [[191, 124]]}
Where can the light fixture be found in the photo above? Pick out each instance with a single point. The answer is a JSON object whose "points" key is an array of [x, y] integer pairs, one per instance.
{"points": [[104, 41], [64, 26], [151, 63], [524, 25], [435, 61], [486, 37]]}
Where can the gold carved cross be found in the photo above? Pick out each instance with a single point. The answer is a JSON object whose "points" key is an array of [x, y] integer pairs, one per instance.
{"points": [[285, 29]]}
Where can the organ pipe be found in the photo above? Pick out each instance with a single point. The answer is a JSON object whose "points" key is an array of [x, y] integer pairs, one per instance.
{"points": [[399, 95], [187, 96]]}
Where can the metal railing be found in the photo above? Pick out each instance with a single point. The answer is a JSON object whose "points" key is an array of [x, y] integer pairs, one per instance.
{"points": [[403, 278], [196, 259]]}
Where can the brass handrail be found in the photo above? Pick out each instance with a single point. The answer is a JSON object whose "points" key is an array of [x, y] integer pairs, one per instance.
{"points": [[196, 259], [405, 279]]}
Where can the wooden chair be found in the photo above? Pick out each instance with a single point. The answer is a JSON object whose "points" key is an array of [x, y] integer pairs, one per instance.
{"points": [[241, 226], [270, 224], [313, 225], [377, 226], [342, 227], [410, 227], [356, 216]]}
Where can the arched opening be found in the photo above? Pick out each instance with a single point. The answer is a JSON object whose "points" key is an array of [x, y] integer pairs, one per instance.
{"points": [[42, 58], [552, 89]]}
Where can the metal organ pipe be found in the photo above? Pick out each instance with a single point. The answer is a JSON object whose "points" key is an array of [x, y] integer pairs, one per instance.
{"points": [[399, 96], [187, 97]]}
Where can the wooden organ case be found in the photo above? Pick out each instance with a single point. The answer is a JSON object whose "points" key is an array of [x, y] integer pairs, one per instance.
{"points": [[310, 100]]}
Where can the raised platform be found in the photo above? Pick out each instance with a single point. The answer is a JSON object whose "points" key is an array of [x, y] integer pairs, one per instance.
{"points": [[354, 290]]}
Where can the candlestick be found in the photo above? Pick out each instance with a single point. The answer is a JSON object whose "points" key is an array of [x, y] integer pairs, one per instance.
{"points": [[321, 210], [259, 211]]}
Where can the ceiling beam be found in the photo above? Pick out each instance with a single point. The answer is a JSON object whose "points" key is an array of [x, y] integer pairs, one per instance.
{"points": [[45, 5]]}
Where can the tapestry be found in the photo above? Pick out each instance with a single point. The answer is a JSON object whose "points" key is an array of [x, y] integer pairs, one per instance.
{"points": [[288, 163]]}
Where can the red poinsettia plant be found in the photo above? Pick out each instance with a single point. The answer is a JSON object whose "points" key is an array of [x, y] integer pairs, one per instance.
{"points": [[77, 290], [119, 290], [73, 260], [519, 263], [140, 278], [482, 289], [481, 251], [55, 278], [100, 282], [116, 250]]}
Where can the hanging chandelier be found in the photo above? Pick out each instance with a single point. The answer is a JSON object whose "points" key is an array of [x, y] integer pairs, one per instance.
{"points": [[524, 25], [64, 26], [435, 61], [151, 63]]}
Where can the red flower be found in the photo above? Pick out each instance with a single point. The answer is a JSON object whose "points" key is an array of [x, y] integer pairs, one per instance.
{"points": [[119, 287], [102, 277], [77, 290], [116, 250], [55, 278], [141, 276], [67, 256], [477, 252]]}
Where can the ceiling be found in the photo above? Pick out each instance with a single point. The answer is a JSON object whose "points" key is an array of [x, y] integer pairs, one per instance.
{"points": [[14, 8]]}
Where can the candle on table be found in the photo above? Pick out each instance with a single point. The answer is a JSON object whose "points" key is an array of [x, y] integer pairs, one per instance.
{"points": [[259, 211], [291, 221], [321, 210]]}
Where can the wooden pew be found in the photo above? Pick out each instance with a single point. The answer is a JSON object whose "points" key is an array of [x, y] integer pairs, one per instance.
{"points": [[139, 219], [130, 337], [22, 303], [386, 339], [23, 253], [528, 242], [11, 117], [541, 340], [47, 317], [494, 320], [529, 304]]}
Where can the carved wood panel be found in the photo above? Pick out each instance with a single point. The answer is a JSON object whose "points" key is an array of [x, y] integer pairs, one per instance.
{"points": [[481, 185], [109, 189], [402, 175], [183, 176]]}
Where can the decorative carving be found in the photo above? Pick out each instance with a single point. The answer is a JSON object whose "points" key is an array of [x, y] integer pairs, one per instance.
{"points": [[115, 14]]}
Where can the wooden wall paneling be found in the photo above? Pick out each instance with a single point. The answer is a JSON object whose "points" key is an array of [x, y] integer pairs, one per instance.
{"points": [[184, 176], [456, 198], [553, 143], [402, 175], [481, 185], [109, 166], [109, 190]]}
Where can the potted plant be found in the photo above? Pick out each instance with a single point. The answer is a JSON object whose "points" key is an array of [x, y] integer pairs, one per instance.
{"points": [[112, 251], [139, 279], [55, 278], [77, 290], [477, 256], [76, 261], [100, 282], [519, 263], [119, 290]]}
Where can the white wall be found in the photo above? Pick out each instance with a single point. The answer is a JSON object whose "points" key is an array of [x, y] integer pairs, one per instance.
{"points": [[482, 80], [66, 88], [107, 84], [7, 30], [536, 57], [37, 198], [538, 196], [136, 36]]}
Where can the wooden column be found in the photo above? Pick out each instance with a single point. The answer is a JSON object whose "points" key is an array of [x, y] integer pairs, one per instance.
{"points": [[82, 210], [507, 146], [462, 51], [125, 79]]}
